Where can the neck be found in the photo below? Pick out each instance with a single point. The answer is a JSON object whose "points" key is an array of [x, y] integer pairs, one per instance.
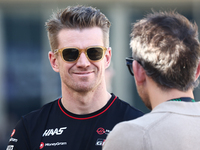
{"points": [[158, 96], [84, 102]]}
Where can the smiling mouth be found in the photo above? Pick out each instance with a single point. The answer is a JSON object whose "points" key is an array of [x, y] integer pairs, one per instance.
{"points": [[83, 73]]}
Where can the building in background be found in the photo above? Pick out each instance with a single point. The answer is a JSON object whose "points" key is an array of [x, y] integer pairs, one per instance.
{"points": [[26, 78]]}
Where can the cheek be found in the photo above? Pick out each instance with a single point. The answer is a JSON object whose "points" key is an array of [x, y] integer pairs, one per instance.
{"points": [[101, 68], [65, 68], [103, 71]]}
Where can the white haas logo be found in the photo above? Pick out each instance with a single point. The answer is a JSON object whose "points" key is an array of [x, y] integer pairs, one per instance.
{"points": [[57, 131]]}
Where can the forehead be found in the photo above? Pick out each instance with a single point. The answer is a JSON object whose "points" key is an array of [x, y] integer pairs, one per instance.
{"points": [[80, 38]]}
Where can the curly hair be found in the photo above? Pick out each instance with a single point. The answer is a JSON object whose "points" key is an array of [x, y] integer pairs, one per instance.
{"points": [[166, 44], [76, 17]]}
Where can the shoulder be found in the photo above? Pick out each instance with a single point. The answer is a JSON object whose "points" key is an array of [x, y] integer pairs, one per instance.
{"points": [[40, 114], [133, 134], [125, 135], [136, 134], [125, 108], [129, 129], [24, 132]]}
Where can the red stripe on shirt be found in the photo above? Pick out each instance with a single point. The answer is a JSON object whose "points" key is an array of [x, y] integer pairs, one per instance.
{"points": [[86, 117]]}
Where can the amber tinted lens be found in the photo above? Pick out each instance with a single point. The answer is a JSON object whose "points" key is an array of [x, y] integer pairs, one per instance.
{"points": [[95, 53], [70, 54]]}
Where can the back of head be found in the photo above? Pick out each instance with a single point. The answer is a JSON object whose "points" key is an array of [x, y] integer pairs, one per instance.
{"points": [[76, 17], [166, 44]]}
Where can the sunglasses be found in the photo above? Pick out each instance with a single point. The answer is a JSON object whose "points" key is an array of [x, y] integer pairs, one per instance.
{"points": [[129, 62], [71, 54]]}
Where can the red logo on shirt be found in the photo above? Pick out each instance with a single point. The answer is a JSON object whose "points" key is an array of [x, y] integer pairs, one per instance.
{"points": [[41, 145], [13, 132], [101, 131]]}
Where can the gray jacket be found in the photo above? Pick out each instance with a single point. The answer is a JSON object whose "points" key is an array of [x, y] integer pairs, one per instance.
{"points": [[169, 126]]}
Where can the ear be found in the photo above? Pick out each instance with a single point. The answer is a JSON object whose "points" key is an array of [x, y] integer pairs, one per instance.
{"points": [[139, 73], [53, 61], [108, 55], [198, 71]]}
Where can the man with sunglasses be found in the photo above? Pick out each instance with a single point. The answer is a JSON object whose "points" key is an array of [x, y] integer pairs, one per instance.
{"points": [[85, 114], [166, 65]]}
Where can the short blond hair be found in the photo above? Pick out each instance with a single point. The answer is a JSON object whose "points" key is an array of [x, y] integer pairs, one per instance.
{"points": [[167, 45], [76, 17]]}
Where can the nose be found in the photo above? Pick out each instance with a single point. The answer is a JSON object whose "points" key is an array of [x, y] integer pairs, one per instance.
{"points": [[83, 61]]}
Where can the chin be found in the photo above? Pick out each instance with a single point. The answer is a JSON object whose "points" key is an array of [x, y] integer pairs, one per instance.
{"points": [[83, 88]]}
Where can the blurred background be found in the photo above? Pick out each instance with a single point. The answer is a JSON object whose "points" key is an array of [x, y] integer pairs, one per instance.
{"points": [[26, 79]]}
